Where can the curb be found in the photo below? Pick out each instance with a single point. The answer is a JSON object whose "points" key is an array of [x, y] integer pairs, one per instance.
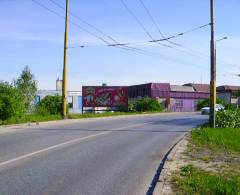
{"points": [[163, 171]]}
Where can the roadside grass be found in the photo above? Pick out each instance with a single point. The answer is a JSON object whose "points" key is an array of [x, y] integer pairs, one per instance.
{"points": [[96, 115], [213, 163], [105, 114], [193, 180], [30, 119], [42, 118], [218, 139]]}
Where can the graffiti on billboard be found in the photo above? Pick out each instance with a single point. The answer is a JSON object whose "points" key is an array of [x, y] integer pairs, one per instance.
{"points": [[104, 96]]}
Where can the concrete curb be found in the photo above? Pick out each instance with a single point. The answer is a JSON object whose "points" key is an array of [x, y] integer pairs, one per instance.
{"points": [[160, 186]]}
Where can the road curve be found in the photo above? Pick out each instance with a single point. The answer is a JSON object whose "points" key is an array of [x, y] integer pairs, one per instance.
{"points": [[106, 156]]}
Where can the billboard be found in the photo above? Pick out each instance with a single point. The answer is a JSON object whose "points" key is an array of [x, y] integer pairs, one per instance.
{"points": [[106, 96]]}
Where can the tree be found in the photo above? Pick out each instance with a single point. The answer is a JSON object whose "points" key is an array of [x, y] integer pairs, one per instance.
{"points": [[27, 86], [12, 103]]}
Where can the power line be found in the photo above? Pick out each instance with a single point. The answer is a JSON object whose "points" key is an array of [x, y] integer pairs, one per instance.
{"points": [[189, 52], [136, 50], [162, 35], [140, 23], [70, 21], [181, 34], [117, 45], [85, 22]]}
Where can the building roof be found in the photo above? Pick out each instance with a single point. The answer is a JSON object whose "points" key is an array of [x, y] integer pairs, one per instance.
{"points": [[228, 88], [161, 86], [199, 87], [182, 88]]}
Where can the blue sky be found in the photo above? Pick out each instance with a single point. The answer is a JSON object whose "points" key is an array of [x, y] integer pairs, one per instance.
{"points": [[30, 35]]}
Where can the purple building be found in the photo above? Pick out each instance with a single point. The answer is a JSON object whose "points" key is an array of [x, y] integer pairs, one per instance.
{"points": [[175, 98]]}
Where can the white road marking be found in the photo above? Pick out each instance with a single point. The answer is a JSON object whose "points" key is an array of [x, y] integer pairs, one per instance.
{"points": [[65, 144]]}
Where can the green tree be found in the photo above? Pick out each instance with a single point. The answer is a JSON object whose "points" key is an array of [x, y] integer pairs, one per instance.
{"points": [[50, 105], [11, 102], [27, 86]]}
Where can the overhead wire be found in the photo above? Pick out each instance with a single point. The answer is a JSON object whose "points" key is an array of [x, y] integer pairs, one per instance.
{"points": [[140, 23], [117, 45], [186, 50], [168, 39], [151, 37], [135, 50]]}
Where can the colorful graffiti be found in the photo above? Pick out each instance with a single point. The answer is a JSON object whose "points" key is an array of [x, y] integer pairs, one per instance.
{"points": [[104, 96]]}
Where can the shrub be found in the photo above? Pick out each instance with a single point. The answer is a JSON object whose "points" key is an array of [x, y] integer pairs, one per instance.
{"points": [[12, 102], [148, 104], [206, 102], [132, 106], [228, 119], [50, 105]]}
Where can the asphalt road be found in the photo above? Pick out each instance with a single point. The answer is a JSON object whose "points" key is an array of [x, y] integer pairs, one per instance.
{"points": [[88, 157]]}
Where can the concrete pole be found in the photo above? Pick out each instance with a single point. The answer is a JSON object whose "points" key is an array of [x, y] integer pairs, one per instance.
{"points": [[64, 85], [212, 118]]}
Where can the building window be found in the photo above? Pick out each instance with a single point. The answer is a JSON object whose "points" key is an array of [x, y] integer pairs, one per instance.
{"points": [[179, 103]]}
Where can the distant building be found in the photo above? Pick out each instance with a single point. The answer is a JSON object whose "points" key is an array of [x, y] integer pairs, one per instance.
{"points": [[74, 97], [175, 98], [229, 94]]}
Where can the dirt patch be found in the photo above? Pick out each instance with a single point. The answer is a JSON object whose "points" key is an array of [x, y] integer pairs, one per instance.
{"points": [[185, 153]]}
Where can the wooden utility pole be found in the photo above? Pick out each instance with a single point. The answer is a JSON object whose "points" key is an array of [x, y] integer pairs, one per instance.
{"points": [[212, 118], [64, 85]]}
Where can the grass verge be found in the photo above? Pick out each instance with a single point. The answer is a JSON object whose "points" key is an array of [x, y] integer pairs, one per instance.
{"points": [[31, 118], [105, 114], [42, 118], [193, 180], [213, 163], [219, 139]]}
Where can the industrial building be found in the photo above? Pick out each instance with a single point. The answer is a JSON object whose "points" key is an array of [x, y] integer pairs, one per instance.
{"points": [[175, 98]]}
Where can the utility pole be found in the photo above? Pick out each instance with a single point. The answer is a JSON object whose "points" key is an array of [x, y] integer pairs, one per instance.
{"points": [[212, 117], [64, 85]]}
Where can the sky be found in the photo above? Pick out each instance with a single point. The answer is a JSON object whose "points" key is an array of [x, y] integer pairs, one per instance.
{"points": [[31, 35]]}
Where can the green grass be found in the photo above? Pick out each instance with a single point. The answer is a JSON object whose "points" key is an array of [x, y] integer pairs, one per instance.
{"points": [[31, 118], [105, 114], [217, 139], [221, 146], [42, 118], [192, 180]]}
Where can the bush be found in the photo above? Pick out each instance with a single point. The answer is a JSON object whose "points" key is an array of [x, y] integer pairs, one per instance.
{"points": [[50, 105], [230, 107], [228, 119], [132, 106], [147, 104], [12, 103], [206, 102]]}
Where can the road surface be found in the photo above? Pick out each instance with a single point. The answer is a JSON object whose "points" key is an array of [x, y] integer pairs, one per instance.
{"points": [[104, 156]]}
